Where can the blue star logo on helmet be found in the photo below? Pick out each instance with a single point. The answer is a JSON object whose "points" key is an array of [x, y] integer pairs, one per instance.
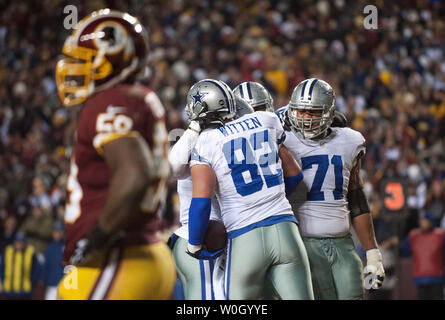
{"points": [[197, 97]]}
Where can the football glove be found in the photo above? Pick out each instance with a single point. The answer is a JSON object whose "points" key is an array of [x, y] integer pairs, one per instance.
{"points": [[198, 252], [286, 122], [195, 126], [374, 268], [88, 246]]}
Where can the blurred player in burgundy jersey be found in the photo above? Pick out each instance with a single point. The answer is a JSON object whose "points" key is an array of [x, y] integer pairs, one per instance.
{"points": [[119, 169]]}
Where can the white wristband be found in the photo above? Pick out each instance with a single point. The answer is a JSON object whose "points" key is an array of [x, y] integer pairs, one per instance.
{"points": [[194, 126], [193, 248], [373, 255]]}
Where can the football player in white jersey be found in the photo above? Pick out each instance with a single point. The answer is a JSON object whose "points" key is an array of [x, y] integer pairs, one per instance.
{"points": [[201, 279], [241, 162], [331, 199]]}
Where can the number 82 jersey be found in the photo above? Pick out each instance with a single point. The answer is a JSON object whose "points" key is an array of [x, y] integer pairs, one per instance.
{"points": [[320, 202], [244, 157]]}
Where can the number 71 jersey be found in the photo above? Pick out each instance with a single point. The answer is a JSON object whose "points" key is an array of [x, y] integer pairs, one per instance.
{"points": [[320, 202], [244, 157]]}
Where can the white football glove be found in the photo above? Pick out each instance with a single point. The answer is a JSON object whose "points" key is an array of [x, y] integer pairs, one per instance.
{"points": [[195, 126], [374, 272]]}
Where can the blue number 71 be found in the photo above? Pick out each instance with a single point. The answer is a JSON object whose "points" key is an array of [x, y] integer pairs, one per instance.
{"points": [[315, 193]]}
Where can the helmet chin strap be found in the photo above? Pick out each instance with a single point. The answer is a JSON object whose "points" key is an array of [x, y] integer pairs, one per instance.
{"points": [[320, 136], [317, 134], [85, 92]]}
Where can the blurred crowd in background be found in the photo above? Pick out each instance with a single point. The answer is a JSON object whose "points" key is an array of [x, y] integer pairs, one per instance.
{"points": [[389, 82]]}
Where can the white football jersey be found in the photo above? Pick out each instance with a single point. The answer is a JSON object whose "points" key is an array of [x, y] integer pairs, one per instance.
{"points": [[244, 157], [320, 201], [280, 112], [185, 191], [178, 157]]}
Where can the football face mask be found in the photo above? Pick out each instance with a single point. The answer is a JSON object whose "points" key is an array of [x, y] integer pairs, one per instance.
{"points": [[311, 123], [311, 108]]}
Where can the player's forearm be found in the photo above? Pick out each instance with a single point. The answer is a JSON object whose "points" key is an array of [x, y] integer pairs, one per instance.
{"points": [[130, 163], [291, 170], [199, 215], [364, 229], [180, 153], [126, 191], [288, 163]]}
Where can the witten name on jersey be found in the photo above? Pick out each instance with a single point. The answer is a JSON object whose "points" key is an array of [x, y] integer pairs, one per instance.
{"points": [[244, 156], [320, 202]]}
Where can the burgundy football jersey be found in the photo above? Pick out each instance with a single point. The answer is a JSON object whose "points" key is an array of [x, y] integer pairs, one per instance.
{"points": [[121, 111]]}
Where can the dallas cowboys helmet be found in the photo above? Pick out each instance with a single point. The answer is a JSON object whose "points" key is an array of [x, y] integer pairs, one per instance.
{"points": [[210, 102], [312, 95], [242, 107], [255, 94]]}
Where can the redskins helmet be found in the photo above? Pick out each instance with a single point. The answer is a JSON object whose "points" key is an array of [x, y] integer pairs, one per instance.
{"points": [[106, 48]]}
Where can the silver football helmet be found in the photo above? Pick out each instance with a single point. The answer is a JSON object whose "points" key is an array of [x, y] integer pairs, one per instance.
{"points": [[255, 94], [242, 107], [210, 101], [312, 95]]}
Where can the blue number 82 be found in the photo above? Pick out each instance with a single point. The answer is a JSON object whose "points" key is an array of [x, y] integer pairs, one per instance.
{"points": [[240, 157]]}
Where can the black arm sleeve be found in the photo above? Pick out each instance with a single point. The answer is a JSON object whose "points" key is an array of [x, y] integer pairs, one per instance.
{"points": [[357, 202]]}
